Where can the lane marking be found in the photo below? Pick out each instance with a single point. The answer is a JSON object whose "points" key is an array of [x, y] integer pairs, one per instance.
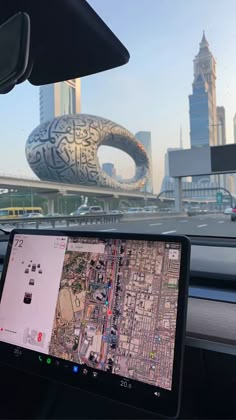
{"points": [[156, 224], [169, 231], [221, 221], [201, 226], [106, 230], [183, 221]]}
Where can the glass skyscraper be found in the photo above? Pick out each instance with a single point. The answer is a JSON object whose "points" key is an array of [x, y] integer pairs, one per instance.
{"points": [[202, 102], [57, 99], [201, 123]]}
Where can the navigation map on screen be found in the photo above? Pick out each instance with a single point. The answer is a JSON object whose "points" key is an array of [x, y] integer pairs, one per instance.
{"points": [[110, 304]]}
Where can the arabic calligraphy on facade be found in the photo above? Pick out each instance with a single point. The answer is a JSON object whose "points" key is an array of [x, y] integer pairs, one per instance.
{"points": [[65, 150]]}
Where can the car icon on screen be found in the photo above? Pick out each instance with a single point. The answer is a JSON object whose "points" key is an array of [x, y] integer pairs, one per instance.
{"points": [[27, 298], [31, 282]]}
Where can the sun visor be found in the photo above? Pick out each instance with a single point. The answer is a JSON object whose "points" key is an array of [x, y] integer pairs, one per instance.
{"points": [[68, 40]]}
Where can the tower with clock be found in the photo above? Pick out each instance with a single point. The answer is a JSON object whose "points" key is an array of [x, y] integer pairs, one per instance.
{"points": [[204, 62], [203, 110]]}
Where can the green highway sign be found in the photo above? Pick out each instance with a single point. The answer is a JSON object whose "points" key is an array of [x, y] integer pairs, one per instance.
{"points": [[219, 198]]}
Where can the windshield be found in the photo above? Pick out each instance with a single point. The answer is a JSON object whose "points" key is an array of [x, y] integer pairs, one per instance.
{"points": [[153, 140]]}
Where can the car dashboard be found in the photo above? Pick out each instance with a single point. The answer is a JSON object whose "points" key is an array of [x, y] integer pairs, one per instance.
{"points": [[212, 293], [209, 368]]}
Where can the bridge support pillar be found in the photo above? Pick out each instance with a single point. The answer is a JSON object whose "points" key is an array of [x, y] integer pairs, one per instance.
{"points": [[106, 202], [178, 195], [106, 206], [51, 200], [51, 205]]}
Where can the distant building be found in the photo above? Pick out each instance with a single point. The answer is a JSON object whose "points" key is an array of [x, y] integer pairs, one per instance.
{"points": [[234, 122], [230, 182], [221, 131], [167, 184], [145, 138], [202, 102], [58, 99], [190, 189], [235, 128], [119, 178], [109, 168], [221, 140]]}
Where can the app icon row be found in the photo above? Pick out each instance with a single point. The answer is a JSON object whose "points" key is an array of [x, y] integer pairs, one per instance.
{"points": [[75, 368]]}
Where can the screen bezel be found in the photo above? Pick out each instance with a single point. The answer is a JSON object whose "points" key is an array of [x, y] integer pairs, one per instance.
{"points": [[168, 403]]}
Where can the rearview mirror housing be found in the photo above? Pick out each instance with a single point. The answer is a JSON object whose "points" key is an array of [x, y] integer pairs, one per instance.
{"points": [[65, 42], [14, 50]]}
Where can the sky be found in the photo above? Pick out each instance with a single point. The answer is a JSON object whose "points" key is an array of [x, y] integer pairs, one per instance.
{"points": [[149, 93]]}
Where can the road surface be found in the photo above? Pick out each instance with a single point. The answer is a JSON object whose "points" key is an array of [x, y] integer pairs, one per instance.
{"points": [[213, 224], [204, 225]]}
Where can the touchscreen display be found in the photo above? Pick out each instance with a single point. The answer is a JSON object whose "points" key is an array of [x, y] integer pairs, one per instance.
{"points": [[107, 304]]}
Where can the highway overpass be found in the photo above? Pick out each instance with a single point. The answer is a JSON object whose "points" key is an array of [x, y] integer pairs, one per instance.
{"points": [[48, 187], [51, 190]]}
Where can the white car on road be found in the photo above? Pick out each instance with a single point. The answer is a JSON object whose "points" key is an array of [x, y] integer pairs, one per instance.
{"points": [[31, 215]]}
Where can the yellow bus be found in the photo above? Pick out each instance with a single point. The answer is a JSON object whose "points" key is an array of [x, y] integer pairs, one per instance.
{"points": [[12, 212]]}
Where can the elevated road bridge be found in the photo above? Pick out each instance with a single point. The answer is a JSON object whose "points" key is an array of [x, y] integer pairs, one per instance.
{"points": [[51, 190]]}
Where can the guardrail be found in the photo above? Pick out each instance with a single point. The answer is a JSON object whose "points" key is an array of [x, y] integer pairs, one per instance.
{"points": [[37, 222], [203, 212], [67, 221]]}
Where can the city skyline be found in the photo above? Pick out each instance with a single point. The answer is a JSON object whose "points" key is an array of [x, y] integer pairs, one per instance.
{"points": [[148, 92]]}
